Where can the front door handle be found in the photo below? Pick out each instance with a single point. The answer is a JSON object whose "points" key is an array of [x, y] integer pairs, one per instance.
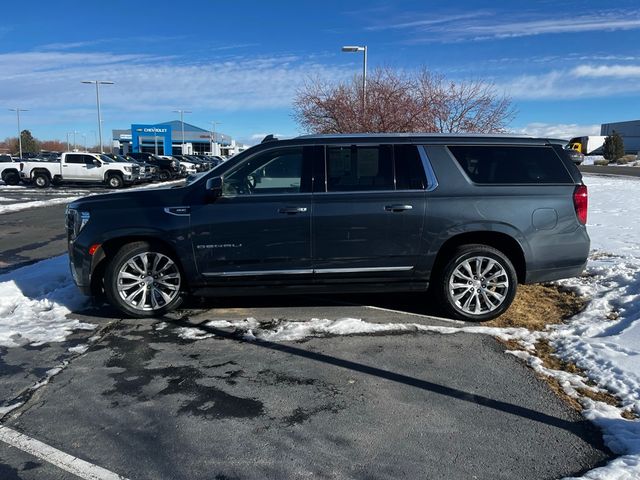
{"points": [[292, 210], [397, 208]]}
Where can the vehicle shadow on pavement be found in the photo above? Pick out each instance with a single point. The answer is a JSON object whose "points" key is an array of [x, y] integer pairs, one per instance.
{"points": [[583, 428]]}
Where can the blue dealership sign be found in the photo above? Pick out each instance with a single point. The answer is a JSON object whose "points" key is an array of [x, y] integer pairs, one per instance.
{"points": [[151, 131]]}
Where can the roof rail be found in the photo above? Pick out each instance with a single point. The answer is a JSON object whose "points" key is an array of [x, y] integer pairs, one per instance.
{"points": [[269, 138]]}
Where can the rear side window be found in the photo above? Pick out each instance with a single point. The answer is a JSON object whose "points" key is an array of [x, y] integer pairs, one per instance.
{"points": [[510, 164], [409, 169], [74, 158], [359, 168]]}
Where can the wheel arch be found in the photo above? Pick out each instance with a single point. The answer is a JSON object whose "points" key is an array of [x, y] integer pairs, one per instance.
{"points": [[36, 171], [504, 242], [110, 247]]}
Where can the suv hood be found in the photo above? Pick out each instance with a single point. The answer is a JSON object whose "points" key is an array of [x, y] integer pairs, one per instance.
{"points": [[156, 197]]}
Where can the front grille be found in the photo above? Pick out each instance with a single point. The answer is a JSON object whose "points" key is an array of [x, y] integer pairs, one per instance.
{"points": [[136, 170]]}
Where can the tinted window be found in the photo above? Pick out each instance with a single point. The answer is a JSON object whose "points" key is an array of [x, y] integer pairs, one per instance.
{"points": [[272, 172], [73, 158], [5, 158], [359, 168], [409, 169], [508, 164], [88, 159]]}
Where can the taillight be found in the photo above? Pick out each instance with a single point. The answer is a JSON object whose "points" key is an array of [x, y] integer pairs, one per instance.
{"points": [[580, 202]]}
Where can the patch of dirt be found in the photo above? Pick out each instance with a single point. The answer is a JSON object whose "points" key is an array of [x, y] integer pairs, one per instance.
{"points": [[537, 306]]}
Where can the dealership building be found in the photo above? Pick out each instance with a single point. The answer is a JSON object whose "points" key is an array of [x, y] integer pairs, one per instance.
{"points": [[174, 138]]}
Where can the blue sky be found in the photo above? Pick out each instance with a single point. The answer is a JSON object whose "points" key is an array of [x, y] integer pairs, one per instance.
{"points": [[568, 66]]}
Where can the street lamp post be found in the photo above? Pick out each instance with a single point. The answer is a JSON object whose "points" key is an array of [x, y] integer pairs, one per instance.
{"points": [[213, 134], [84, 138], [182, 112], [98, 83], [68, 145], [18, 110], [354, 49], [75, 145]]}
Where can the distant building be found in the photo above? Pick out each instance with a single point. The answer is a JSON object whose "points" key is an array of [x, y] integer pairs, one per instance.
{"points": [[629, 131], [167, 139]]}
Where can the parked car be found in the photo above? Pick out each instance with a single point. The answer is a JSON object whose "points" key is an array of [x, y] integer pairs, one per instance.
{"points": [[470, 216], [9, 170], [187, 167], [80, 167], [148, 172], [168, 167]]}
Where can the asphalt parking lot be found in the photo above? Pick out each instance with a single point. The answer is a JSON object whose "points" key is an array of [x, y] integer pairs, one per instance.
{"points": [[179, 398]]}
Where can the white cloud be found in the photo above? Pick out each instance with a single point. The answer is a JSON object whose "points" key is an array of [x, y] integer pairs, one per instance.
{"points": [[591, 82], [601, 71], [484, 25], [48, 82], [558, 130]]}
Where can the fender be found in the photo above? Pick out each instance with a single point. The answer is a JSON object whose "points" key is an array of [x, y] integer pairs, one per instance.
{"points": [[475, 227]]}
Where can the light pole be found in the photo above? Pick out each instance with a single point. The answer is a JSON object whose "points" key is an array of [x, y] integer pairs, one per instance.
{"points": [[354, 49], [98, 83], [182, 112], [213, 134], [68, 146], [84, 138], [75, 145], [18, 110]]}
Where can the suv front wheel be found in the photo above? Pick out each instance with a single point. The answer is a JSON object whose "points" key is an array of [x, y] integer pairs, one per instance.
{"points": [[478, 283], [143, 280]]}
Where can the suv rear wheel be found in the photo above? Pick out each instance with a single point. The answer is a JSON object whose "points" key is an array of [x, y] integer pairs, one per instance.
{"points": [[478, 283], [143, 280]]}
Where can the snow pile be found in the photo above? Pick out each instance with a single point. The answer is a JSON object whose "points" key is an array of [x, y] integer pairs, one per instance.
{"points": [[34, 303], [16, 207]]}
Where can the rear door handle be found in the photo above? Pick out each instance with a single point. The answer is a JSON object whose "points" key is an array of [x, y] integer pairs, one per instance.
{"points": [[397, 208], [292, 210]]}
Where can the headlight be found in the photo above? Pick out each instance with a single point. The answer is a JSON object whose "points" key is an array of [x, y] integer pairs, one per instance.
{"points": [[75, 221], [127, 169]]}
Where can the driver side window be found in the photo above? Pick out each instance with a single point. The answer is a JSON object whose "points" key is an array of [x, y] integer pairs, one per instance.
{"points": [[273, 172]]}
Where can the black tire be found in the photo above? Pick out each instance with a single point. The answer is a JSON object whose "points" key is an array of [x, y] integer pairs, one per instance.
{"points": [[41, 180], [11, 178], [115, 181], [474, 291], [164, 175], [115, 290]]}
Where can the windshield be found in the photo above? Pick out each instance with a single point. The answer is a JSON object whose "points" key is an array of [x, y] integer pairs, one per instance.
{"points": [[106, 159]]}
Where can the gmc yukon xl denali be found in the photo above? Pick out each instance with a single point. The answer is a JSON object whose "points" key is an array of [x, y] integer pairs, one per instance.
{"points": [[470, 217]]}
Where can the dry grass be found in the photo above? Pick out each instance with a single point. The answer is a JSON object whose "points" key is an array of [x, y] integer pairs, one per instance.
{"points": [[536, 306]]}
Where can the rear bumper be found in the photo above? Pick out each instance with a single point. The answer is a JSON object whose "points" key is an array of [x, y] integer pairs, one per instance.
{"points": [[550, 274]]}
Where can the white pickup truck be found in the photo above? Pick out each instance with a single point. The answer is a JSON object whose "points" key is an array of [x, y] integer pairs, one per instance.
{"points": [[9, 170], [80, 167]]}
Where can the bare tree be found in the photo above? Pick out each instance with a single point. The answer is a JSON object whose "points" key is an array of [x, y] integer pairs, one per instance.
{"points": [[402, 102]]}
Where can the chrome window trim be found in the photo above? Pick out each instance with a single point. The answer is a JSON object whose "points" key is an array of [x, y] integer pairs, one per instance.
{"points": [[432, 180]]}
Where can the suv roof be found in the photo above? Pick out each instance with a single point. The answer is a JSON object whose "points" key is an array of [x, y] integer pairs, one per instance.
{"points": [[432, 138]]}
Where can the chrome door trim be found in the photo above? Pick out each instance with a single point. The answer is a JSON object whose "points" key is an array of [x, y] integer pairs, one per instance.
{"points": [[256, 273], [362, 269]]}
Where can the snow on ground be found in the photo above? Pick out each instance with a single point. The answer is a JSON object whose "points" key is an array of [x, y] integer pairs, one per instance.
{"points": [[16, 207], [34, 303]]}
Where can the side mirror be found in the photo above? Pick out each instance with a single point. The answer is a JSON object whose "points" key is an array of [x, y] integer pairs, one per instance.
{"points": [[214, 186], [96, 162]]}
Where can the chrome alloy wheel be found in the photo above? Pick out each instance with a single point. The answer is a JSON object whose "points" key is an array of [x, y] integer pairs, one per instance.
{"points": [[478, 285], [148, 281]]}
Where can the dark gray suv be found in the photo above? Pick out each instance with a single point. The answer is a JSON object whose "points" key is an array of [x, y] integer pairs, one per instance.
{"points": [[472, 216]]}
